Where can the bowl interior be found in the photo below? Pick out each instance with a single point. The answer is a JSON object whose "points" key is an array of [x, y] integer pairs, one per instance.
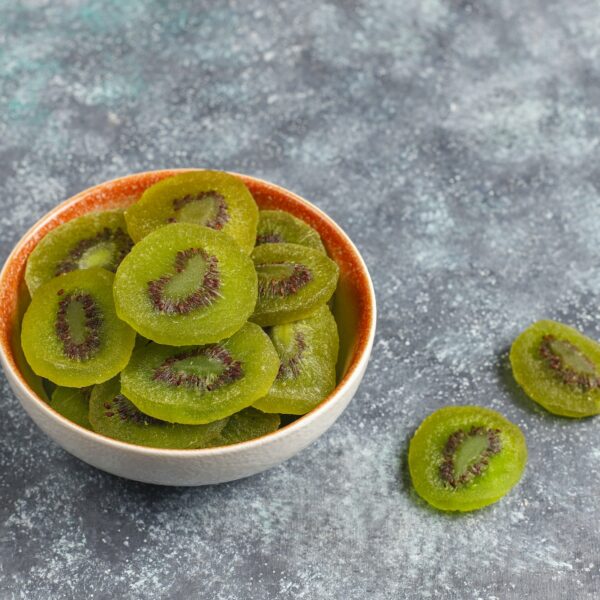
{"points": [[353, 303]]}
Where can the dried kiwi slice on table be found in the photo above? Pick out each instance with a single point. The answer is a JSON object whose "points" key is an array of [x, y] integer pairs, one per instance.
{"points": [[308, 352], [93, 240], [210, 198], [71, 334], [559, 368], [73, 403], [293, 281], [200, 384], [466, 457], [184, 285], [245, 425], [280, 227], [113, 415]]}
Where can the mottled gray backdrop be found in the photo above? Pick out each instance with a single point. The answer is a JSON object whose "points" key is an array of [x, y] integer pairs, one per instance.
{"points": [[456, 142]]}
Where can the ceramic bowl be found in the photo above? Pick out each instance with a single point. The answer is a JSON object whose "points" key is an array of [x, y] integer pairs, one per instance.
{"points": [[354, 309]]}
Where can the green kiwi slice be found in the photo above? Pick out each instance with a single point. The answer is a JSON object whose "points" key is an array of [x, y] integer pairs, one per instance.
{"points": [[245, 425], [308, 352], [71, 334], [73, 403], [293, 281], [462, 458], [559, 368], [93, 240], [184, 284], [280, 227], [113, 415], [212, 199], [200, 384]]}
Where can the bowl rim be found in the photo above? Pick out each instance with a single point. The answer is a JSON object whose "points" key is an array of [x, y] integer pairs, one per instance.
{"points": [[354, 372]]}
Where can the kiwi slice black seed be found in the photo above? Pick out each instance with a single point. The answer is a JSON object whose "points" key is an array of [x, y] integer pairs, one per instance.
{"points": [[113, 415], [71, 334], [465, 457], [308, 352], [559, 368], [280, 227], [293, 281], [94, 240]]}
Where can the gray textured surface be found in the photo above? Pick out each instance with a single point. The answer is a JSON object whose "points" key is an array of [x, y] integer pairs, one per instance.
{"points": [[457, 144]]}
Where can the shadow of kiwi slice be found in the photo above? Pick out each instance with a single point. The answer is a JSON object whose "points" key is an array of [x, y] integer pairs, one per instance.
{"points": [[308, 352], [73, 403], [293, 281], [245, 425], [93, 240], [462, 458], [559, 368], [209, 198], [280, 227], [71, 334], [113, 415], [200, 384], [185, 284]]}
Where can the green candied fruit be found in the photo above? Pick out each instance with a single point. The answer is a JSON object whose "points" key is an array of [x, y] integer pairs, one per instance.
{"points": [[462, 458], [280, 227], [73, 403], [559, 368], [308, 352], [113, 415], [97, 239], [185, 284], [212, 199], [248, 424], [201, 384], [293, 281], [71, 334]]}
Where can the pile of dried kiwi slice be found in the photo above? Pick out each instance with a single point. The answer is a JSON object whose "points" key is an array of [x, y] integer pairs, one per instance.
{"points": [[192, 320]]}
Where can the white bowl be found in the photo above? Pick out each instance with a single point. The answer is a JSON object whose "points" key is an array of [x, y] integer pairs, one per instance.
{"points": [[354, 308]]}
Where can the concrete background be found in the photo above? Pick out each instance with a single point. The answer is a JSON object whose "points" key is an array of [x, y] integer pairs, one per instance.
{"points": [[457, 143]]}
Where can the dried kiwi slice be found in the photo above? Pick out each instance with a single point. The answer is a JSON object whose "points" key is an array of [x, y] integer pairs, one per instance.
{"points": [[210, 198], [245, 425], [280, 227], [466, 457], [71, 334], [93, 240], [73, 403], [113, 415], [308, 352], [293, 281], [185, 284], [559, 368], [200, 384]]}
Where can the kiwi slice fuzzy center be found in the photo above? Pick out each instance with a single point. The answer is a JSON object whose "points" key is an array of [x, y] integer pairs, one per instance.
{"points": [[466, 454], [569, 363], [205, 208], [194, 284], [78, 323], [281, 279], [206, 369]]}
